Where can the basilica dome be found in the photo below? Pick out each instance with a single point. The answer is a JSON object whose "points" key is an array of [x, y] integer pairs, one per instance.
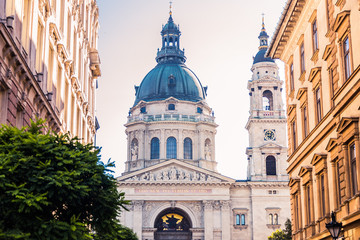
{"points": [[170, 77], [170, 80]]}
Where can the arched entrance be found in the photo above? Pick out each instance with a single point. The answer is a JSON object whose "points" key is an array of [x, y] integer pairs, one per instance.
{"points": [[173, 224]]}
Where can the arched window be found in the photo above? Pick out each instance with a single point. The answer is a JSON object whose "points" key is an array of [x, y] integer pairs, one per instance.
{"points": [[268, 101], [171, 43], [271, 220], [237, 219], [155, 148], [187, 148], [270, 165], [171, 148], [171, 106], [276, 219], [242, 219]]}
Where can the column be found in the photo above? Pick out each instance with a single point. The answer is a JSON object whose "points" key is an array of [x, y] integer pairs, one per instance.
{"points": [[180, 144], [162, 144], [225, 219], [208, 220], [137, 224]]}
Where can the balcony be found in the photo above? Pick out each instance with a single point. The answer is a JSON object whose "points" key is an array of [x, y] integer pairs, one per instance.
{"points": [[170, 117], [268, 114]]}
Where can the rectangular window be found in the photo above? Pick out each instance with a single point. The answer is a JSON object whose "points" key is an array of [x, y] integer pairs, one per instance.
{"points": [[297, 211], [353, 168], [292, 77], [50, 70], [318, 105], [68, 35], [293, 134], [302, 58], [338, 183], [3, 105], [19, 118], [58, 88], [305, 121], [308, 203], [346, 55], [25, 25], [322, 195], [315, 36], [332, 86], [39, 48]]}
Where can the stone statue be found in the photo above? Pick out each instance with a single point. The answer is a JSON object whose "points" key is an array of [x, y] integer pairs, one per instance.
{"points": [[159, 176], [202, 177], [207, 150], [181, 175], [173, 173], [134, 152], [165, 175], [151, 176], [187, 176]]}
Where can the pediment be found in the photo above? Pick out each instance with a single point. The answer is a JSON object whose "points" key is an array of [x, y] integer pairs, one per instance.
{"points": [[345, 123], [290, 108], [174, 171], [270, 145], [304, 170], [327, 51], [331, 144], [301, 92], [313, 73], [340, 19]]}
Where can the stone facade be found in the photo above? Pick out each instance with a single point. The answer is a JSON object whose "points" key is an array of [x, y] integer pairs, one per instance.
{"points": [[49, 64], [319, 41], [170, 173]]}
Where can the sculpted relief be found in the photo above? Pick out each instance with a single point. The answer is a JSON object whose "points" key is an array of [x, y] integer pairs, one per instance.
{"points": [[174, 174]]}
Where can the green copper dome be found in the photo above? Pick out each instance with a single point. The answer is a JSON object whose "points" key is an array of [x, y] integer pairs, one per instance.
{"points": [[170, 80], [170, 77]]}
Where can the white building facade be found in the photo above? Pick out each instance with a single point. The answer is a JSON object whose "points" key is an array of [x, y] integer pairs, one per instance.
{"points": [[170, 173]]}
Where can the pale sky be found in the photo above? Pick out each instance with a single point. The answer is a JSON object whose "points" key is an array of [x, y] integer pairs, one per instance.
{"points": [[220, 40]]}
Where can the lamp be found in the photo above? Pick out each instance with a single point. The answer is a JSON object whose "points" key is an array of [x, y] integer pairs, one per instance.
{"points": [[334, 227]]}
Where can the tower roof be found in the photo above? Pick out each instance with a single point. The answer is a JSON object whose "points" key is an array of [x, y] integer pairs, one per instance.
{"points": [[263, 37]]}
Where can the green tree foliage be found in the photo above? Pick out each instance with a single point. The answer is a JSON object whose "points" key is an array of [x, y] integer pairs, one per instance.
{"points": [[282, 234], [54, 187]]}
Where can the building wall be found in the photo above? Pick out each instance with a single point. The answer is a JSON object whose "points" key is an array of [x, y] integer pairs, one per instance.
{"points": [[324, 162], [49, 64]]}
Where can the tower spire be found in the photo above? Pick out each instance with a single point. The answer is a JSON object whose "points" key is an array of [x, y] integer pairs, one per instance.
{"points": [[263, 35], [170, 10]]}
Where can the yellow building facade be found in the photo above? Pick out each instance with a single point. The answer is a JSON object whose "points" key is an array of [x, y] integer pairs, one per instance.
{"points": [[49, 64], [319, 41]]}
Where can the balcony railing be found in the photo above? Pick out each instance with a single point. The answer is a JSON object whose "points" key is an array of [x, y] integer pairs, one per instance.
{"points": [[170, 117]]}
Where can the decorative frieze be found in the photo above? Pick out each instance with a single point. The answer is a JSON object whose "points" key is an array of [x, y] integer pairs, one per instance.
{"points": [[174, 174]]}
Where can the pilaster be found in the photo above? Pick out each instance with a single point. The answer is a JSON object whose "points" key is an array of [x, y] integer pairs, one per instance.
{"points": [[208, 220], [137, 225], [225, 219]]}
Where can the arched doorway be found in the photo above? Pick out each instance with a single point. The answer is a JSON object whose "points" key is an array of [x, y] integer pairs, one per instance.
{"points": [[173, 224]]}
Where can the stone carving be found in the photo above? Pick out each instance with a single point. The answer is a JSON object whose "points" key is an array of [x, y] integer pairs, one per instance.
{"points": [[208, 205], [207, 150], [134, 149], [225, 205], [216, 205], [174, 174]]}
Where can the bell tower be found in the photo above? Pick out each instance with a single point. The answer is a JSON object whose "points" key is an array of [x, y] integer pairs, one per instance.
{"points": [[267, 151]]}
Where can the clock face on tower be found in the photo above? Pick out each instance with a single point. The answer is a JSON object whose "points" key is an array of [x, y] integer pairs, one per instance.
{"points": [[269, 134]]}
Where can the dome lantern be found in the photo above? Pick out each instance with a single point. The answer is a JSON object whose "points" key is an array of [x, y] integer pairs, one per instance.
{"points": [[170, 50]]}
